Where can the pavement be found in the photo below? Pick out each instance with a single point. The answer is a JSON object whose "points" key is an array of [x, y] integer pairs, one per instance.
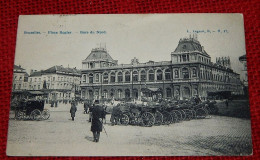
{"points": [[60, 136]]}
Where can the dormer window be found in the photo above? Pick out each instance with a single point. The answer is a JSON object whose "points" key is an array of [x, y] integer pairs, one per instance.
{"points": [[184, 47]]}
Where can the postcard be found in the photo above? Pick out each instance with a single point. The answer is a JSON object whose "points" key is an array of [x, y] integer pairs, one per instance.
{"points": [[130, 85]]}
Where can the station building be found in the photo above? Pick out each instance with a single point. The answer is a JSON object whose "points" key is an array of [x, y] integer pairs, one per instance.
{"points": [[188, 72]]}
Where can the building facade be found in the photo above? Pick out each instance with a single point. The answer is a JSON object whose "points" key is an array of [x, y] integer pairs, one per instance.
{"points": [[60, 83], [20, 79], [188, 73], [244, 76]]}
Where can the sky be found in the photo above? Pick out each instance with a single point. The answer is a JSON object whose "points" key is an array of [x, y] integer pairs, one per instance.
{"points": [[145, 36]]}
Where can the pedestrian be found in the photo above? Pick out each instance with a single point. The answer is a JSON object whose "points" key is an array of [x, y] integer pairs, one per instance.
{"points": [[73, 110], [96, 123], [226, 103], [86, 104]]}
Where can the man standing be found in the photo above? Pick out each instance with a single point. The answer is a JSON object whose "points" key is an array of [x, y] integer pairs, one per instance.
{"points": [[73, 110], [96, 125]]}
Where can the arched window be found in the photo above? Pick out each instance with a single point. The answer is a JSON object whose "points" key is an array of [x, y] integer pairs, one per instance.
{"points": [[185, 73], [159, 75], [194, 72], [105, 78], [83, 78], [167, 74], [120, 77], [168, 92], [143, 75], [176, 73], [90, 93], [135, 76], [97, 78], [151, 75], [90, 78], [119, 93], [135, 93], [112, 77], [105, 94], [112, 93], [127, 93], [127, 76]]}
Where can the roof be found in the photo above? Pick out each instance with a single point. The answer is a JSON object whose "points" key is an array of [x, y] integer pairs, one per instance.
{"points": [[18, 67], [99, 54], [57, 69], [37, 73], [242, 58], [189, 45]]}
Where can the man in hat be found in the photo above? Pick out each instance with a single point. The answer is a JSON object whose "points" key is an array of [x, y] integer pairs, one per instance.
{"points": [[96, 123], [73, 110]]}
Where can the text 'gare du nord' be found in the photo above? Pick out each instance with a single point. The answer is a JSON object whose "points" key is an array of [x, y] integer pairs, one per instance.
{"points": [[189, 73]]}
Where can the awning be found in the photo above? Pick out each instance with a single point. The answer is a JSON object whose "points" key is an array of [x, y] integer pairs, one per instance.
{"points": [[36, 92], [152, 89]]}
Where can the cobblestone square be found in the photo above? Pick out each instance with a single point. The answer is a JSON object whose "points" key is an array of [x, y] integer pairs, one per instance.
{"points": [[215, 135]]}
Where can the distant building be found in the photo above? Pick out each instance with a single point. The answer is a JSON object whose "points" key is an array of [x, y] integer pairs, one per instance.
{"points": [[60, 83], [20, 79], [244, 76], [188, 73]]}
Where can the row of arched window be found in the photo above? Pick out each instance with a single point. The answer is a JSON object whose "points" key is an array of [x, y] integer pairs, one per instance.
{"points": [[144, 76]]}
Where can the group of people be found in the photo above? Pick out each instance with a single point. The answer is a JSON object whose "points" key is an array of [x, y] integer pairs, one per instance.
{"points": [[97, 114]]}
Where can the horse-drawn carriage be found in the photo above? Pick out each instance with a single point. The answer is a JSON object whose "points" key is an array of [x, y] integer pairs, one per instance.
{"points": [[30, 105], [160, 113]]}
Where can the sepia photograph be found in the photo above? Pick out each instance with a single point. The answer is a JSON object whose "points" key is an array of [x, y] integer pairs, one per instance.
{"points": [[130, 85]]}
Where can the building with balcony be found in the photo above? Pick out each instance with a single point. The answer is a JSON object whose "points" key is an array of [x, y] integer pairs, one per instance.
{"points": [[189, 72]]}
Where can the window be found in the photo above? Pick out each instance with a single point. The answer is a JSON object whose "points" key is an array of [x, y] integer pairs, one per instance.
{"points": [[176, 73], [184, 58], [127, 76], [151, 75], [105, 78], [35, 79], [185, 73], [194, 72], [112, 92], [112, 77], [84, 78], [120, 77], [135, 76], [167, 74], [97, 77], [168, 92], [143, 75], [105, 94], [90, 78], [119, 93], [159, 75]]}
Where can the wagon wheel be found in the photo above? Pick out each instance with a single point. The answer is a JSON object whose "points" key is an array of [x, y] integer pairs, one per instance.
{"points": [[19, 115], [174, 117], [158, 118], [167, 118], [148, 119], [179, 115], [36, 114], [45, 114], [201, 113], [193, 113], [124, 120], [188, 114], [183, 115]]}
